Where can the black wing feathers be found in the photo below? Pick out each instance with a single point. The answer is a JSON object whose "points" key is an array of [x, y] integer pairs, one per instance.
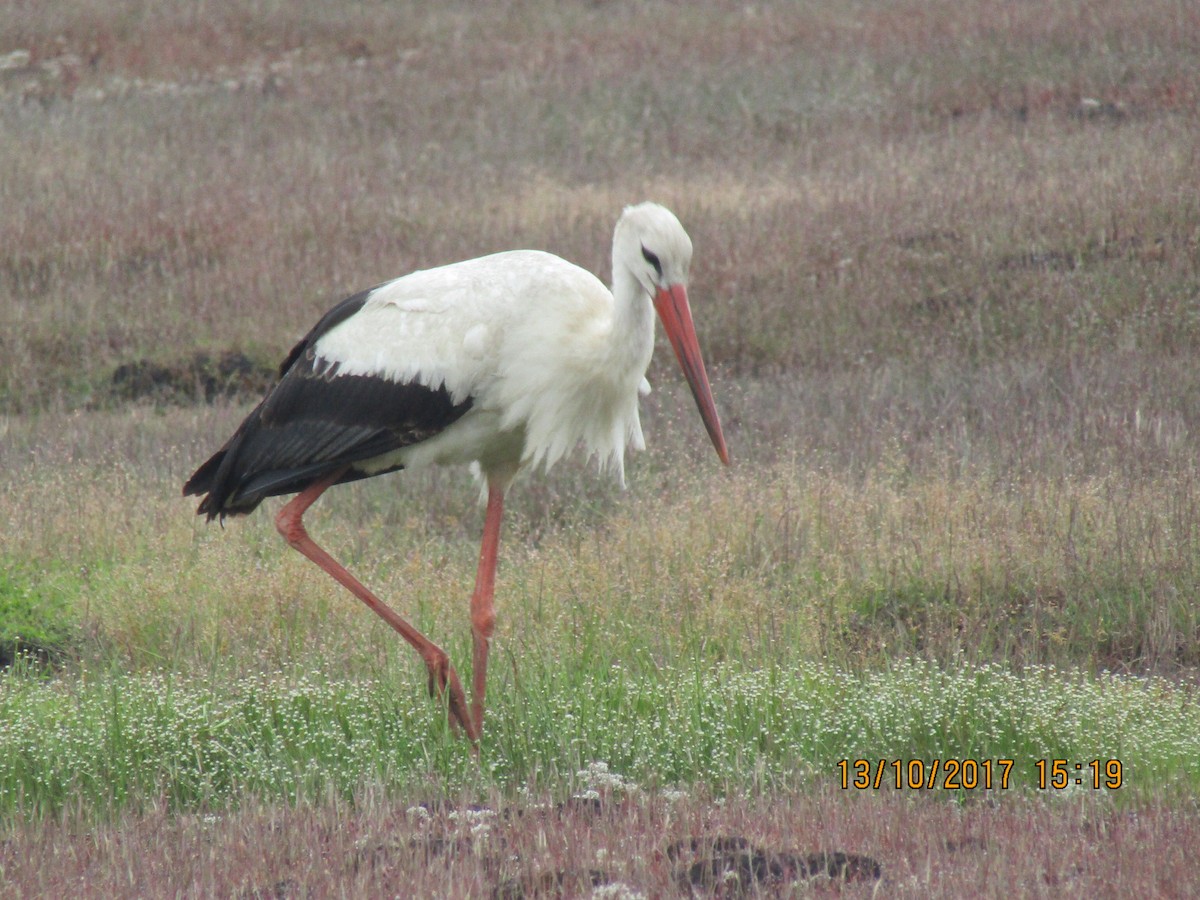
{"points": [[314, 422]]}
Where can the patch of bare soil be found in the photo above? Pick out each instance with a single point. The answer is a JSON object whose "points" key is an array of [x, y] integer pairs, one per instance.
{"points": [[731, 866], [197, 378], [726, 866]]}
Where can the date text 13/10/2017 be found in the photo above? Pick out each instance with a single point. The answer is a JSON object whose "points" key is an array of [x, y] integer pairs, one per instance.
{"points": [[970, 774]]}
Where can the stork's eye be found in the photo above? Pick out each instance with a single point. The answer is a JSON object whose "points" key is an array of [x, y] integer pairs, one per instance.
{"points": [[653, 260]]}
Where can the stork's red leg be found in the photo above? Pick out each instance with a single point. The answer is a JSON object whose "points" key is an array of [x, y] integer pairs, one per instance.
{"points": [[483, 610], [442, 676]]}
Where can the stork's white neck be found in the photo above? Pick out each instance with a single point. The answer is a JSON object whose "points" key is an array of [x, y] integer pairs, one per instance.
{"points": [[633, 324]]}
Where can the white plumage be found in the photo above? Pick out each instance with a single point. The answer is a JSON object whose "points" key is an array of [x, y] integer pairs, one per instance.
{"points": [[505, 361], [531, 373]]}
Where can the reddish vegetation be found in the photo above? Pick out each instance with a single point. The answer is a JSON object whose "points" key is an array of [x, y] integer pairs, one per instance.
{"points": [[921, 847]]}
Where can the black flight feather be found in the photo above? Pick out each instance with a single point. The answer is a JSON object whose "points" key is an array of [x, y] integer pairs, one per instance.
{"points": [[316, 421]]}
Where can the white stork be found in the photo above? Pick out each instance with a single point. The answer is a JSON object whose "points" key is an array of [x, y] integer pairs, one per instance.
{"points": [[504, 361]]}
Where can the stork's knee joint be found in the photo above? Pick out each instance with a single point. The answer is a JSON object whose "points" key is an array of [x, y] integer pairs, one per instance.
{"points": [[438, 664], [484, 624], [290, 526]]}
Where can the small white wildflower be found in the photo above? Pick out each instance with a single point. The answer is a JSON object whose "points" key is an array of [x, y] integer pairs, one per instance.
{"points": [[418, 813], [15, 59], [617, 891], [597, 775]]}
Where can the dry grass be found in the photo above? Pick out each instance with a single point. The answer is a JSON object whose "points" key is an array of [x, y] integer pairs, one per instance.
{"points": [[947, 279], [775, 558], [274, 173]]}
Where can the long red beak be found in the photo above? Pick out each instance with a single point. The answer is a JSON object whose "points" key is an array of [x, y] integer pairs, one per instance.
{"points": [[676, 315]]}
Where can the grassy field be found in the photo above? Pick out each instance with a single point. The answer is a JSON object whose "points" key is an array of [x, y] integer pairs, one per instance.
{"points": [[947, 280]]}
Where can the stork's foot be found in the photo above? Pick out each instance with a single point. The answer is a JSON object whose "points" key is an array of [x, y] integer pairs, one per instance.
{"points": [[443, 682]]}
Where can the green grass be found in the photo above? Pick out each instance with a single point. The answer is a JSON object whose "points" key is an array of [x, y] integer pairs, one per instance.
{"points": [[38, 617], [106, 741]]}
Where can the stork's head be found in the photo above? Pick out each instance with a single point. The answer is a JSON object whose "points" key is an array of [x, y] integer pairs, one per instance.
{"points": [[651, 245]]}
